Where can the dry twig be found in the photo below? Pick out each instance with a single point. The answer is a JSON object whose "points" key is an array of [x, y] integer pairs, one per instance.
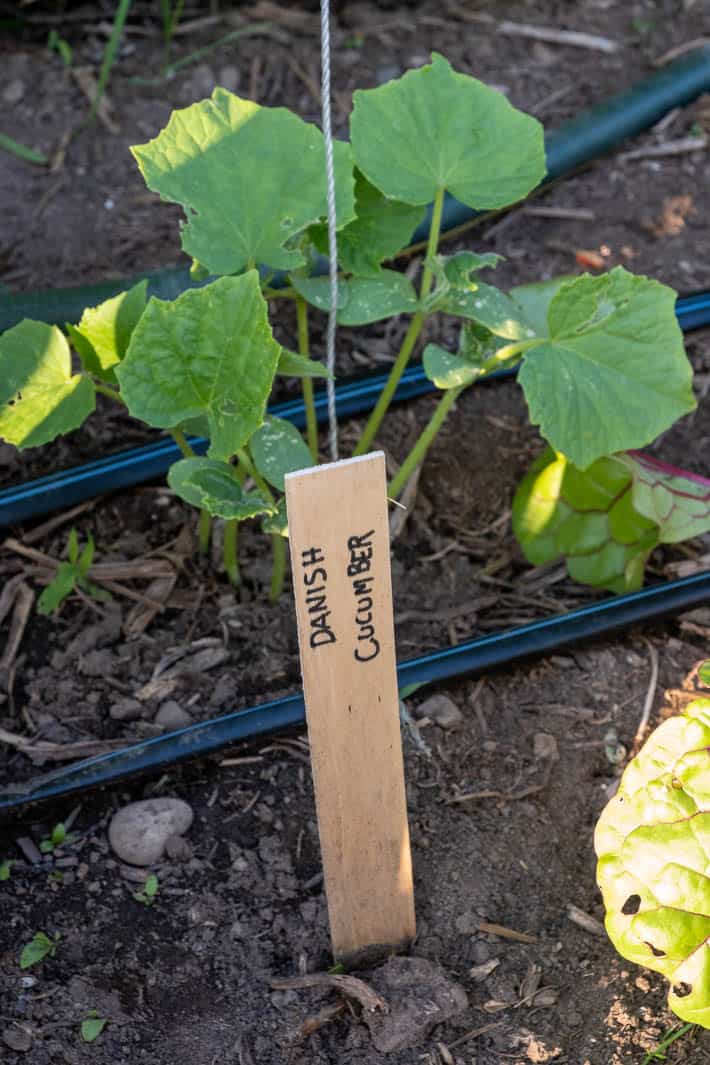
{"points": [[350, 986], [552, 36]]}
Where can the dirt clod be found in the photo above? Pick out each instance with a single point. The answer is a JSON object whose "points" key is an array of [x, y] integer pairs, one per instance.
{"points": [[420, 995]]}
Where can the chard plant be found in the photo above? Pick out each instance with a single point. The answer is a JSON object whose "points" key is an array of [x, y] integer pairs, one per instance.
{"points": [[602, 363]]}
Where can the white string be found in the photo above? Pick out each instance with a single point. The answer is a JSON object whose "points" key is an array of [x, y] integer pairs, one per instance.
{"points": [[332, 240]]}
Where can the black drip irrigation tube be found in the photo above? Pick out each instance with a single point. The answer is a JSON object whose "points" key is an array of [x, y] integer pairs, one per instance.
{"points": [[34, 499], [477, 656], [578, 142]]}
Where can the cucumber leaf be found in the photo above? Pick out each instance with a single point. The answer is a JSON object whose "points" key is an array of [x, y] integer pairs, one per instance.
{"points": [[436, 129], [613, 373], [381, 229], [476, 346], [588, 518], [653, 848], [291, 364], [213, 486], [276, 524], [534, 301], [102, 336], [209, 352], [676, 500], [361, 300], [278, 448], [40, 397], [250, 179], [490, 308]]}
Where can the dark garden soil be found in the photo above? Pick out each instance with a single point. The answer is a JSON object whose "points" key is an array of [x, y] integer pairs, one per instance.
{"points": [[186, 980]]}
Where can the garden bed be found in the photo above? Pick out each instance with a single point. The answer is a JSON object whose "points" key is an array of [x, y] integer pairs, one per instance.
{"points": [[187, 979]]}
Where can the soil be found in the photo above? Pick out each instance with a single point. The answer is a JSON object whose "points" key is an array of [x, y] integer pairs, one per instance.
{"points": [[187, 978]]}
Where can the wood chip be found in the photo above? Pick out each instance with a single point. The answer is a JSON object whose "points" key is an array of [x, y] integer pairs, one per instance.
{"points": [[350, 986], [584, 920], [318, 1020], [583, 214], [506, 933], [552, 36], [657, 151], [24, 600]]}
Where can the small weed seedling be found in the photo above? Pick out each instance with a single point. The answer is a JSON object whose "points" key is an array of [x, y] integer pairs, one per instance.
{"points": [[601, 358], [56, 839], [6, 869], [70, 575], [668, 1039], [150, 890], [92, 1026], [41, 946]]}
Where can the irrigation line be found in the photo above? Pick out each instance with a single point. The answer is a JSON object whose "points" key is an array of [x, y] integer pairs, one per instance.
{"points": [[67, 488], [475, 657]]}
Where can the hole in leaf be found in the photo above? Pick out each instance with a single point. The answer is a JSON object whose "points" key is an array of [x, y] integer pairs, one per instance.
{"points": [[682, 990], [655, 951], [632, 905]]}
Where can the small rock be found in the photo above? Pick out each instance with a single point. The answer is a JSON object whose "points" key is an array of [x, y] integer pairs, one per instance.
{"points": [[545, 746], [178, 849], [138, 833], [229, 78], [13, 91], [126, 710], [420, 996], [17, 1038], [171, 715], [442, 710]]}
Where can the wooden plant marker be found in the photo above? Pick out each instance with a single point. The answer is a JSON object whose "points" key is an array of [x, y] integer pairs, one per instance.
{"points": [[340, 559]]}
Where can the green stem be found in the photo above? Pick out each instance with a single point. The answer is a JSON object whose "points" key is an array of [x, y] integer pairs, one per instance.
{"points": [[246, 461], [181, 441], [425, 441], [411, 336], [668, 1040], [105, 390], [278, 572], [229, 551], [306, 382], [110, 53], [204, 531]]}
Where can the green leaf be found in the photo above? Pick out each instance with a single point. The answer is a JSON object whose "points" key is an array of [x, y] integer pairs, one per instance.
{"points": [[534, 301], [102, 336], [209, 352], [250, 180], [213, 486], [5, 869], [653, 848], [40, 397], [361, 300], [704, 674], [490, 308], [87, 557], [92, 1027], [59, 835], [277, 449], [381, 229], [587, 517], [60, 587], [73, 546], [291, 364], [38, 948], [436, 129], [151, 886], [613, 373], [446, 370], [676, 500], [276, 524]]}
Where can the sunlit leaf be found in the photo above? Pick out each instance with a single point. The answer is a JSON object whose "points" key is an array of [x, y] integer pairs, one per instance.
{"points": [[209, 352], [212, 485], [361, 300], [250, 179], [613, 373], [653, 848], [436, 129], [278, 448], [40, 397], [102, 336]]}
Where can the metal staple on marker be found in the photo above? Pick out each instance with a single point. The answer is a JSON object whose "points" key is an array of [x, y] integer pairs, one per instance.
{"points": [[332, 240]]}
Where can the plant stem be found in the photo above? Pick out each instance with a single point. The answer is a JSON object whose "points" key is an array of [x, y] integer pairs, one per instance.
{"points": [[246, 461], [306, 382], [278, 572], [110, 51], [411, 336], [179, 438], [668, 1040], [229, 551], [416, 455], [105, 390]]}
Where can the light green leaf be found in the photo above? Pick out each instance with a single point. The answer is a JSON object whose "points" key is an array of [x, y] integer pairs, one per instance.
{"points": [[291, 364], [250, 179], [361, 300], [276, 524], [151, 886], [459, 267], [437, 129], [38, 948], [209, 352], [103, 334], [534, 301], [277, 449], [613, 373], [381, 229], [60, 587], [704, 674], [92, 1027], [587, 518], [213, 486], [653, 848], [446, 370], [5, 869], [491, 308], [676, 500], [40, 397]]}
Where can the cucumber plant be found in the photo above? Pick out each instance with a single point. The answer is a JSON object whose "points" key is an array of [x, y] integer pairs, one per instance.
{"points": [[602, 362]]}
